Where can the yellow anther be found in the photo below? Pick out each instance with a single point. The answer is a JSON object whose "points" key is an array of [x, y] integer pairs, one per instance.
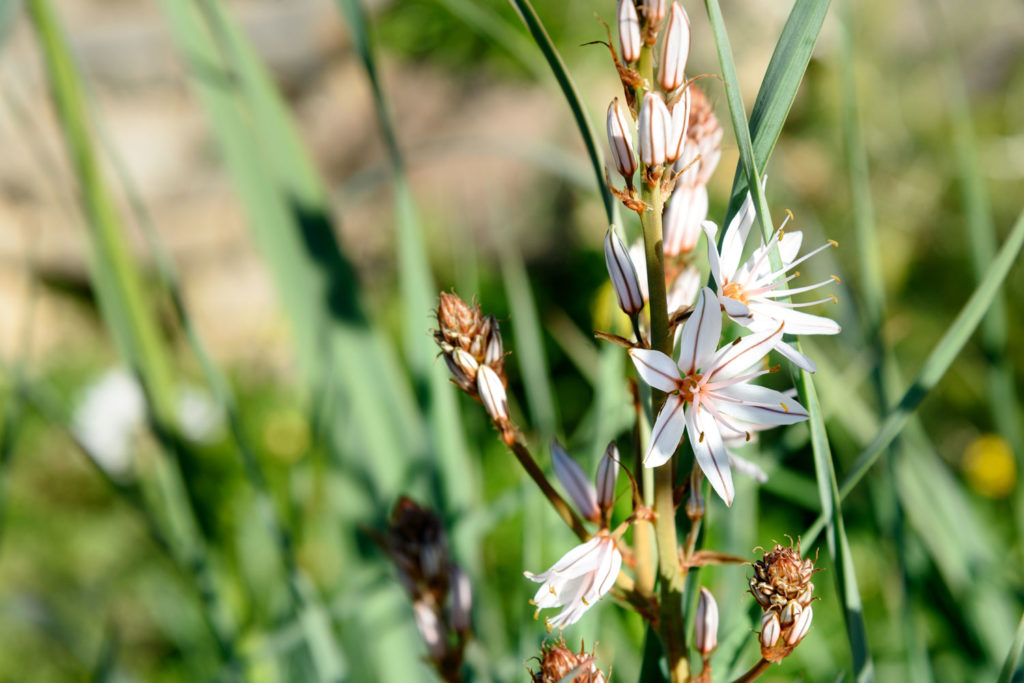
{"points": [[784, 407], [833, 243], [585, 602], [834, 298], [775, 368], [836, 278], [748, 436], [547, 623], [552, 589], [701, 439], [790, 214]]}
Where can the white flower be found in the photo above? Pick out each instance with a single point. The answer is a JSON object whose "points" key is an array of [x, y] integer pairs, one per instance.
{"points": [[111, 413], [748, 292], [578, 580], [620, 138], [715, 384], [685, 213], [492, 393]]}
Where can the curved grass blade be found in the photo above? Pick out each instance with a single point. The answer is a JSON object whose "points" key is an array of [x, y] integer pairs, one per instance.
{"points": [[540, 35], [1012, 668], [778, 89], [418, 293], [124, 308], [838, 545], [936, 365]]}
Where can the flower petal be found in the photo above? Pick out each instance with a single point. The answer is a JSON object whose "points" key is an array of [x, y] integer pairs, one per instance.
{"points": [[736, 309], [710, 229], [797, 322], [668, 430], [575, 481], [710, 452], [578, 561], [655, 368], [742, 354], [795, 357], [701, 333], [757, 404], [736, 237]]}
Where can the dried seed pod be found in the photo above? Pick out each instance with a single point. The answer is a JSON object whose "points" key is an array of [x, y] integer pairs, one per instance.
{"points": [[782, 587], [557, 662], [468, 340]]}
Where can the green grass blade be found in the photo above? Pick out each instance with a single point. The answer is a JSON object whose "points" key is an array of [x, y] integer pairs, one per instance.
{"points": [[838, 545], [1012, 668], [489, 24], [122, 302], [529, 339], [779, 87], [543, 40], [418, 293], [937, 363]]}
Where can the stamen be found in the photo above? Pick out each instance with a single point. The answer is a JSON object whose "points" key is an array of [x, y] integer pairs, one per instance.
{"points": [[701, 439], [834, 298], [552, 589], [836, 278], [784, 406], [748, 436], [833, 243], [585, 602]]}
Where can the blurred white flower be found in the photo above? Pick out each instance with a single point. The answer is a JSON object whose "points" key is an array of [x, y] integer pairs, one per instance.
{"points": [[112, 412], [109, 415], [578, 580]]}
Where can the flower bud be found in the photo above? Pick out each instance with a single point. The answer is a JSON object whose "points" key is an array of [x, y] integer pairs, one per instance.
{"points": [[770, 629], [655, 128], [492, 393], [607, 475], [706, 626], [429, 626], [629, 31], [494, 354], [680, 124], [800, 627], [558, 663], [462, 599], [575, 482], [790, 612], [620, 138], [687, 208], [623, 274], [676, 50], [654, 10]]}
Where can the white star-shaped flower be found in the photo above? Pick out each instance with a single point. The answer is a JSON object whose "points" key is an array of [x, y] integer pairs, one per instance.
{"points": [[578, 580], [710, 394], [749, 292]]}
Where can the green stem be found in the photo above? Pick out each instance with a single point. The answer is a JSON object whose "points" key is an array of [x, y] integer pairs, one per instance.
{"points": [[672, 625]]}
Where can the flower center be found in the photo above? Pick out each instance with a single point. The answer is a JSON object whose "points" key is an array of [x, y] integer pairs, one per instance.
{"points": [[734, 290], [689, 387]]}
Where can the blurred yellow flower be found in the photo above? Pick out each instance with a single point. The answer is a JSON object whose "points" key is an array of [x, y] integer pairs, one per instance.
{"points": [[989, 466]]}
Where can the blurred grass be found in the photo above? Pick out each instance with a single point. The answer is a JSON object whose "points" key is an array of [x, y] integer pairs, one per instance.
{"points": [[85, 592]]}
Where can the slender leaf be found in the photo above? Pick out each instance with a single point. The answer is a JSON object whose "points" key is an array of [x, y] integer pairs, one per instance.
{"points": [[935, 366], [778, 89], [838, 545], [1012, 669]]}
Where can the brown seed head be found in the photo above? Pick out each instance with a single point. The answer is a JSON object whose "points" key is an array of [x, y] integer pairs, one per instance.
{"points": [[418, 546], [557, 661], [781, 584], [468, 339]]}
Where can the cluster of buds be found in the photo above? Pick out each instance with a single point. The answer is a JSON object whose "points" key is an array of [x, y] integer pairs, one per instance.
{"points": [[471, 345], [440, 591], [679, 141], [557, 663], [781, 584]]}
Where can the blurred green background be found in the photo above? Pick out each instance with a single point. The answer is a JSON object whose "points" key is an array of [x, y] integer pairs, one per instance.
{"points": [[228, 538]]}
